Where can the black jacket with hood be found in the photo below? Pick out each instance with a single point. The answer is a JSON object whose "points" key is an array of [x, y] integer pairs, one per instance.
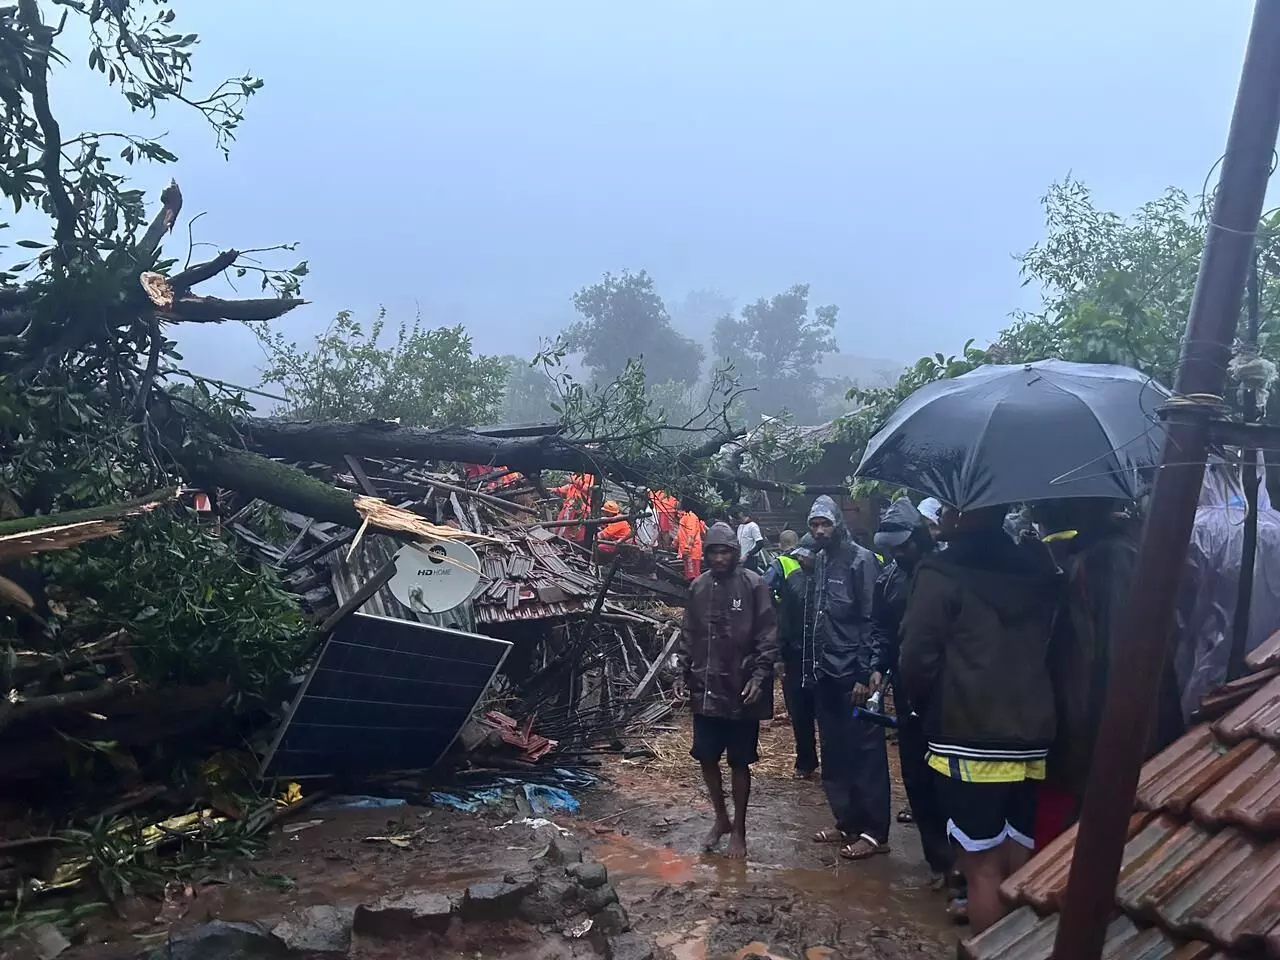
{"points": [[975, 657], [841, 643], [729, 637]]}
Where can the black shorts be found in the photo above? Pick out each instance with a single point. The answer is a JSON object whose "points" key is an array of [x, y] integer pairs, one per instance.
{"points": [[716, 737], [981, 816]]}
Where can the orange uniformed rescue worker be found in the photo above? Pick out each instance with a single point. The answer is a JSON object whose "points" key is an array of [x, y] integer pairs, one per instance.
{"points": [[614, 533], [689, 544]]}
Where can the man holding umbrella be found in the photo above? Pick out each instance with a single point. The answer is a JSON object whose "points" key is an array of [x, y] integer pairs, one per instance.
{"points": [[843, 661]]}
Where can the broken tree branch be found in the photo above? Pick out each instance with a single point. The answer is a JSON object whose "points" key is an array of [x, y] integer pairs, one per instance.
{"points": [[165, 218], [201, 272]]}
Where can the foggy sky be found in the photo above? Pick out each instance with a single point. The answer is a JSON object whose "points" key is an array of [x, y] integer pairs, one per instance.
{"points": [[480, 161]]}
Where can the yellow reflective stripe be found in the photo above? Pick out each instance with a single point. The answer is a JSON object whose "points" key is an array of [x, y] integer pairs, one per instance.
{"points": [[789, 565], [1061, 535], [987, 771]]}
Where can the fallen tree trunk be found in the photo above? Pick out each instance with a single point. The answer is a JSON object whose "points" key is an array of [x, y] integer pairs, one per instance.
{"points": [[332, 441]]}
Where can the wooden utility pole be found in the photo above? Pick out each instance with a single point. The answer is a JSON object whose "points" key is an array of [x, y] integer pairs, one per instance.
{"points": [[1146, 628]]}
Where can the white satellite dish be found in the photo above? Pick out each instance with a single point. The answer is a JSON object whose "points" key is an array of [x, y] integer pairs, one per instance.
{"points": [[435, 578]]}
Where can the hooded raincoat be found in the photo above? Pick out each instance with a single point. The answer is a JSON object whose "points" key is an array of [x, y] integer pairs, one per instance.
{"points": [[842, 642], [729, 637], [975, 656]]}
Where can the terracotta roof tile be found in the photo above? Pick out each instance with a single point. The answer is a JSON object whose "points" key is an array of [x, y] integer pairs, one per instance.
{"points": [[1248, 795], [1025, 936], [1258, 716], [1200, 877], [1042, 882], [1266, 654], [1230, 695], [1184, 770]]}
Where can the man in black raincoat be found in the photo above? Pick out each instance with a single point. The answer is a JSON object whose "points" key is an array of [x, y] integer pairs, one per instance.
{"points": [[728, 647], [905, 539], [843, 661]]}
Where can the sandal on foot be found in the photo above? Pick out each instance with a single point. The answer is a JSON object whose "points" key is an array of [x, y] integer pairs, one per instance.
{"points": [[864, 848], [830, 836]]}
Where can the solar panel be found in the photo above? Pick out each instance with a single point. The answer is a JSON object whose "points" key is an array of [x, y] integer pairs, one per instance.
{"points": [[384, 694]]}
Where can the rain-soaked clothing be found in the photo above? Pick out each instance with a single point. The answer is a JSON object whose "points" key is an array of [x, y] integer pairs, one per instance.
{"points": [[842, 644], [975, 650], [729, 636], [841, 650]]}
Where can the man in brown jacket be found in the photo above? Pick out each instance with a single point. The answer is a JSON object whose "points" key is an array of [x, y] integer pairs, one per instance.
{"points": [[728, 646]]}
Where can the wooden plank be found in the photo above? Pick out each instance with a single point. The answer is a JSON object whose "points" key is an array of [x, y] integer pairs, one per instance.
{"points": [[646, 685]]}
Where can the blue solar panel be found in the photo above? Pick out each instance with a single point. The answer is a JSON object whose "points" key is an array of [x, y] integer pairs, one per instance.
{"points": [[384, 694]]}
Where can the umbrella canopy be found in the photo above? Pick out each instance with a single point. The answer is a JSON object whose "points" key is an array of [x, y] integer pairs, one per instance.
{"points": [[1010, 434]]}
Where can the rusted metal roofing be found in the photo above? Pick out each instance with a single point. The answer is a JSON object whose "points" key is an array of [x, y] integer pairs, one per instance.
{"points": [[1200, 878]]}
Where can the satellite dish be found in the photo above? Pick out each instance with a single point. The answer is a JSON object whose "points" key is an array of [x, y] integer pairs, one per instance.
{"points": [[435, 578]]}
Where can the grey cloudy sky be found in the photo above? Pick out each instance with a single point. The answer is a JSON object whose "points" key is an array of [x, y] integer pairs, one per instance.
{"points": [[482, 160]]}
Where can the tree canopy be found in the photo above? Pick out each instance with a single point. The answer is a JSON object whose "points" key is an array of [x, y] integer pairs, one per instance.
{"points": [[623, 318], [422, 378], [776, 345]]}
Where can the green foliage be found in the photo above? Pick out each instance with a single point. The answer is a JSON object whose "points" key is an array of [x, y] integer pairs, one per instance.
{"points": [[624, 319], [776, 346], [136, 49], [195, 613], [423, 378], [1117, 289]]}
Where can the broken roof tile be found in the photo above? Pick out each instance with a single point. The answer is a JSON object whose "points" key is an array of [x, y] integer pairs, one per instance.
{"points": [[1257, 716], [1184, 770]]}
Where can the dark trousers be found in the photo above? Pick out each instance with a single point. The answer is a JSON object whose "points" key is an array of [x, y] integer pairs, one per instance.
{"points": [[926, 805], [855, 764], [802, 710]]}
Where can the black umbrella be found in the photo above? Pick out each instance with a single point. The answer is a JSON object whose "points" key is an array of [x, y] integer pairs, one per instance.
{"points": [[1011, 434]]}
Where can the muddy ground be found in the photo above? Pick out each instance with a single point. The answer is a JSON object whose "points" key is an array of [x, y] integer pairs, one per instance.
{"points": [[792, 898]]}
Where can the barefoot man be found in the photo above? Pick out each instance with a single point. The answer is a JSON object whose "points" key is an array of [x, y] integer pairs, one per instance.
{"points": [[728, 646]]}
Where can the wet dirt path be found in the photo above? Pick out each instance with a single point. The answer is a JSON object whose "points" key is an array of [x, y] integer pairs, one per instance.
{"points": [[792, 897]]}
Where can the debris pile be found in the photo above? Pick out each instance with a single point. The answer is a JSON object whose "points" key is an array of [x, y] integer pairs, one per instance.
{"points": [[154, 752]]}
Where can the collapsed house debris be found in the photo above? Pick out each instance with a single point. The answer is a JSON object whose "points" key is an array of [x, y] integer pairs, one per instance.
{"points": [[591, 645], [577, 656]]}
